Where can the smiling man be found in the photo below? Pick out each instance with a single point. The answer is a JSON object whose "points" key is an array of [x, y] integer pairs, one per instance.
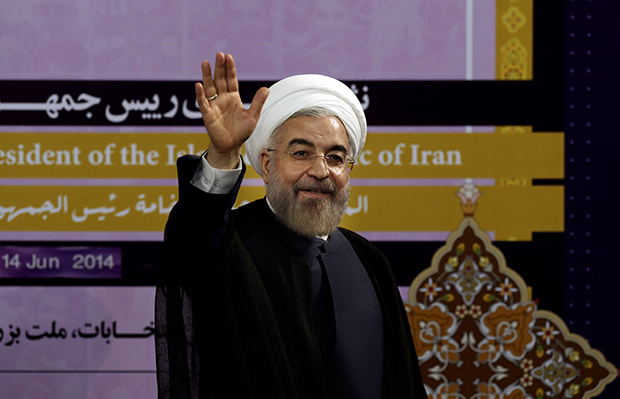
{"points": [[274, 300], [308, 192]]}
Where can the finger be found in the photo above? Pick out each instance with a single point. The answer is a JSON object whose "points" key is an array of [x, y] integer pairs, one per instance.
{"points": [[231, 74], [258, 101], [219, 75], [207, 80], [203, 104]]}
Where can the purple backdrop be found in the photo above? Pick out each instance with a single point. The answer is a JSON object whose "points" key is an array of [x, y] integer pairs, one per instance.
{"points": [[167, 40]]}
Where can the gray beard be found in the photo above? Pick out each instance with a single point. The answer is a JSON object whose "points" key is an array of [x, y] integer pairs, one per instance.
{"points": [[307, 217]]}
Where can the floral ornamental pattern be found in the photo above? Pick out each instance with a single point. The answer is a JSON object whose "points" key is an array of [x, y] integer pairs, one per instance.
{"points": [[512, 130], [514, 39], [513, 60], [513, 19], [513, 182], [478, 336]]}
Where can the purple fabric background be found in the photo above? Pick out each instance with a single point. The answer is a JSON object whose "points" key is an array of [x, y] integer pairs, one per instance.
{"points": [[167, 40], [82, 365]]}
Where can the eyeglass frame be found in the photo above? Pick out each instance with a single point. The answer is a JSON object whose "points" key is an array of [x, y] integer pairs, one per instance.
{"points": [[349, 162]]}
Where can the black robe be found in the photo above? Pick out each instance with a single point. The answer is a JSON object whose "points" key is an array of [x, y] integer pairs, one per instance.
{"points": [[234, 312]]}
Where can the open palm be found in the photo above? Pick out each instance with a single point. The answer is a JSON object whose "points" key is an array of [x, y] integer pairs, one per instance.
{"points": [[228, 124]]}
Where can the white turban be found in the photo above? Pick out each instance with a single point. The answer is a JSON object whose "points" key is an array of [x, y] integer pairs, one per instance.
{"points": [[298, 92]]}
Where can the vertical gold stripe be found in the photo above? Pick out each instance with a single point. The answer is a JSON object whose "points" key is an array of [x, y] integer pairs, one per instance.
{"points": [[514, 28]]}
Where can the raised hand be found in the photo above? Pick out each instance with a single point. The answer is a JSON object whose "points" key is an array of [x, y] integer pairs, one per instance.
{"points": [[228, 124]]}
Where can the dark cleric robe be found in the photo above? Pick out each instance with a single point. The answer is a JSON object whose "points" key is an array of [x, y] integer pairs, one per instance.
{"points": [[235, 310]]}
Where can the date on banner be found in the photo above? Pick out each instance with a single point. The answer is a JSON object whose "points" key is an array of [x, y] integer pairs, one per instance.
{"points": [[60, 262]]}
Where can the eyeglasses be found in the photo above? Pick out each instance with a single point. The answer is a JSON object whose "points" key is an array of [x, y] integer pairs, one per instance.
{"points": [[337, 162]]}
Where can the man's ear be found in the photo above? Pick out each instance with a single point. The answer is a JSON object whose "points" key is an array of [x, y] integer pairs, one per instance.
{"points": [[265, 160]]}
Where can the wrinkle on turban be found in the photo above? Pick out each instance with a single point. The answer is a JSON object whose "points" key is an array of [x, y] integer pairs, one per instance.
{"points": [[298, 92]]}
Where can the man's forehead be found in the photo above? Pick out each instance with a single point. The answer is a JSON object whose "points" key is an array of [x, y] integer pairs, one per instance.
{"points": [[314, 131]]}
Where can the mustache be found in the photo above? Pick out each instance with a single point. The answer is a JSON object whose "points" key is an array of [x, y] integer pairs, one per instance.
{"points": [[323, 186]]}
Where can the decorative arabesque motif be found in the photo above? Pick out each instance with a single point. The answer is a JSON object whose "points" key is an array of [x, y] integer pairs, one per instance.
{"points": [[514, 19], [513, 54], [478, 335], [514, 60]]}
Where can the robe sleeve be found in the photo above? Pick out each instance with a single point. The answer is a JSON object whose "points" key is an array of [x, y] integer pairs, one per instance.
{"points": [[216, 332], [187, 237]]}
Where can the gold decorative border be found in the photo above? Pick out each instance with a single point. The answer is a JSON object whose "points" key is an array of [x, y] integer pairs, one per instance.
{"points": [[514, 32]]}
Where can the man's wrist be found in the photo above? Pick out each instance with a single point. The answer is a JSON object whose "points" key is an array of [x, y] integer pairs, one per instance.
{"points": [[227, 161], [213, 180]]}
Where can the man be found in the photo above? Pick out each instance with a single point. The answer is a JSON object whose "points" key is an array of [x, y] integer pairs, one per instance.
{"points": [[273, 300]]}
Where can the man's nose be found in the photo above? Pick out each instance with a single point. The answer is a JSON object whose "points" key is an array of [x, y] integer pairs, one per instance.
{"points": [[318, 169]]}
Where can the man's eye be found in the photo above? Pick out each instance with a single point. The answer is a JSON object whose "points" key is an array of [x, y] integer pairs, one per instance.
{"points": [[301, 154], [335, 159]]}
